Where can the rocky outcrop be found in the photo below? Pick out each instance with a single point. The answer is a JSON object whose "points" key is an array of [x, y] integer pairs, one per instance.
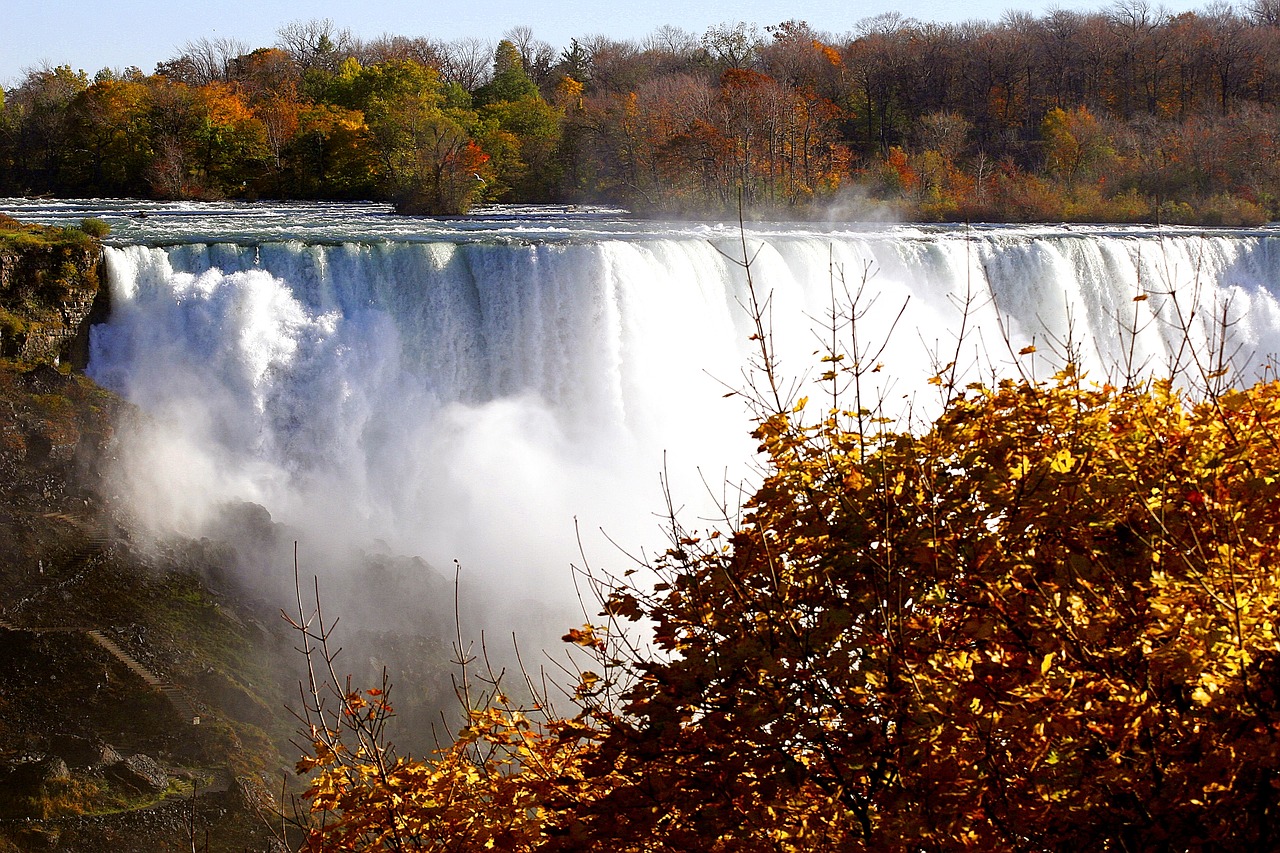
{"points": [[140, 772], [84, 753], [82, 730], [49, 290]]}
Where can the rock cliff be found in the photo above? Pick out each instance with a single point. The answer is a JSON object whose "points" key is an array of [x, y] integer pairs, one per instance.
{"points": [[101, 628], [49, 290]]}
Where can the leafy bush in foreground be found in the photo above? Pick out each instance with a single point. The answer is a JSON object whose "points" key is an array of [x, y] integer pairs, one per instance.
{"points": [[1046, 622], [1049, 622]]}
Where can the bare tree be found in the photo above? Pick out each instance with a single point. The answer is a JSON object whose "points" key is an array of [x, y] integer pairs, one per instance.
{"points": [[536, 55], [886, 23], [790, 54], [674, 42], [1264, 13], [1227, 53], [467, 62], [423, 51], [732, 45], [203, 61], [946, 132], [317, 43], [615, 66]]}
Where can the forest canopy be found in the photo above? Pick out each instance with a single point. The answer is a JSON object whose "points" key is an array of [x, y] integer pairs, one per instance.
{"points": [[1126, 114]]}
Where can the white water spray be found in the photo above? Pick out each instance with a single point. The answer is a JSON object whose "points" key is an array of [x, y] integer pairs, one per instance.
{"points": [[468, 399]]}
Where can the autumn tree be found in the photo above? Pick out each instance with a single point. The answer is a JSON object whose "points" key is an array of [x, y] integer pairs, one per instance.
{"points": [[332, 154], [108, 123], [518, 129], [230, 141], [429, 161], [38, 127], [1046, 620], [532, 129], [1075, 145], [594, 122]]}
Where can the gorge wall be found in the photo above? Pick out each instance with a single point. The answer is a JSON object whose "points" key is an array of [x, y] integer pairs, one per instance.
{"points": [[74, 716], [50, 282]]}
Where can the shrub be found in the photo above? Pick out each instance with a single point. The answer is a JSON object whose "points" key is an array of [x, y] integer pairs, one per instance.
{"points": [[1048, 621], [1232, 211], [95, 227], [1052, 616]]}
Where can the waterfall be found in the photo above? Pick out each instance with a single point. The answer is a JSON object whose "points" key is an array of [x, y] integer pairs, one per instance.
{"points": [[470, 398]]}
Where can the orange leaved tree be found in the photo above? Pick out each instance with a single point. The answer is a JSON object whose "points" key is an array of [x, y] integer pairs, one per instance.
{"points": [[1049, 622]]}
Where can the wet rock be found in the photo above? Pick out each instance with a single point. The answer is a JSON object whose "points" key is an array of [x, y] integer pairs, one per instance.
{"points": [[140, 772]]}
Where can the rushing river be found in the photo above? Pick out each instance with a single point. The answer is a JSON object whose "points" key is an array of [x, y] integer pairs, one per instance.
{"points": [[464, 389]]}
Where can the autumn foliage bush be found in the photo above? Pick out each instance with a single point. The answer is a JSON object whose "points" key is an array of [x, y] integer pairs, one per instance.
{"points": [[1046, 622]]}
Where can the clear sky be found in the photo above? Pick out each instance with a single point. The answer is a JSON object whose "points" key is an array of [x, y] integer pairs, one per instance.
{"points": [[95, 34]]}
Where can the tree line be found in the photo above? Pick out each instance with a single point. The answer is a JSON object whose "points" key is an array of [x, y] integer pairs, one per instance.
{"points": [[1125, 114]]}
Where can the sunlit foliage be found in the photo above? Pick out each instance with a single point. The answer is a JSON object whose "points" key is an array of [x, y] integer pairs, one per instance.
{"points": [[1047, 620], [1126, 114], [1050, 620]]}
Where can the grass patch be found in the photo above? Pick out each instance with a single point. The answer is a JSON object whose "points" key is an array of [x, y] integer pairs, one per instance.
{"points": [[26, 236], [78, 796]]}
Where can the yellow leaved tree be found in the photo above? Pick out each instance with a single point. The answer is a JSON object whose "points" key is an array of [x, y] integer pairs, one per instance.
{"points": [[1048, 621]]}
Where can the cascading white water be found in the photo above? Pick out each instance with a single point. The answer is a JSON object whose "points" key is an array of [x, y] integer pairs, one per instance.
{"points": [[466, 390], [451, 400]]}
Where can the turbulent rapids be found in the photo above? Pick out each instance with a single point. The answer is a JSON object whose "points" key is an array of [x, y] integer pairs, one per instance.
{"points": [[466, 389]]}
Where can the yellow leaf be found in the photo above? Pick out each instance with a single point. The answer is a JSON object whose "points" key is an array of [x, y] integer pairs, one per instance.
{"points": [[1021, 469], [1062, 461]]}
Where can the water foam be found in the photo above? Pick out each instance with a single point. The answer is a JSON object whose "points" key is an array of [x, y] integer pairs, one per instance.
{"points": [[469, 399]]}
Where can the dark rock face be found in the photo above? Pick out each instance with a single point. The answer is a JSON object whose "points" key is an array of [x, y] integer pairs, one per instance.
{"points": [[140, 772], [48, 290], [54, 769], [31, 774], [85, 753], [69, 562]]}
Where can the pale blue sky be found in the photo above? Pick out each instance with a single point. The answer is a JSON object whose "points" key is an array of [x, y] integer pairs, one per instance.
{"points": [[93, 34]]}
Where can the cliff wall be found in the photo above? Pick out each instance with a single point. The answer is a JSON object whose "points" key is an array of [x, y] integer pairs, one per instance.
{"points": [[50, 286]]}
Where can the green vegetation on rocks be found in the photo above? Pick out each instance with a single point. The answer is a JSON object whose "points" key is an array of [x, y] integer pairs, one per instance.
{"points": [[50, 280]]}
